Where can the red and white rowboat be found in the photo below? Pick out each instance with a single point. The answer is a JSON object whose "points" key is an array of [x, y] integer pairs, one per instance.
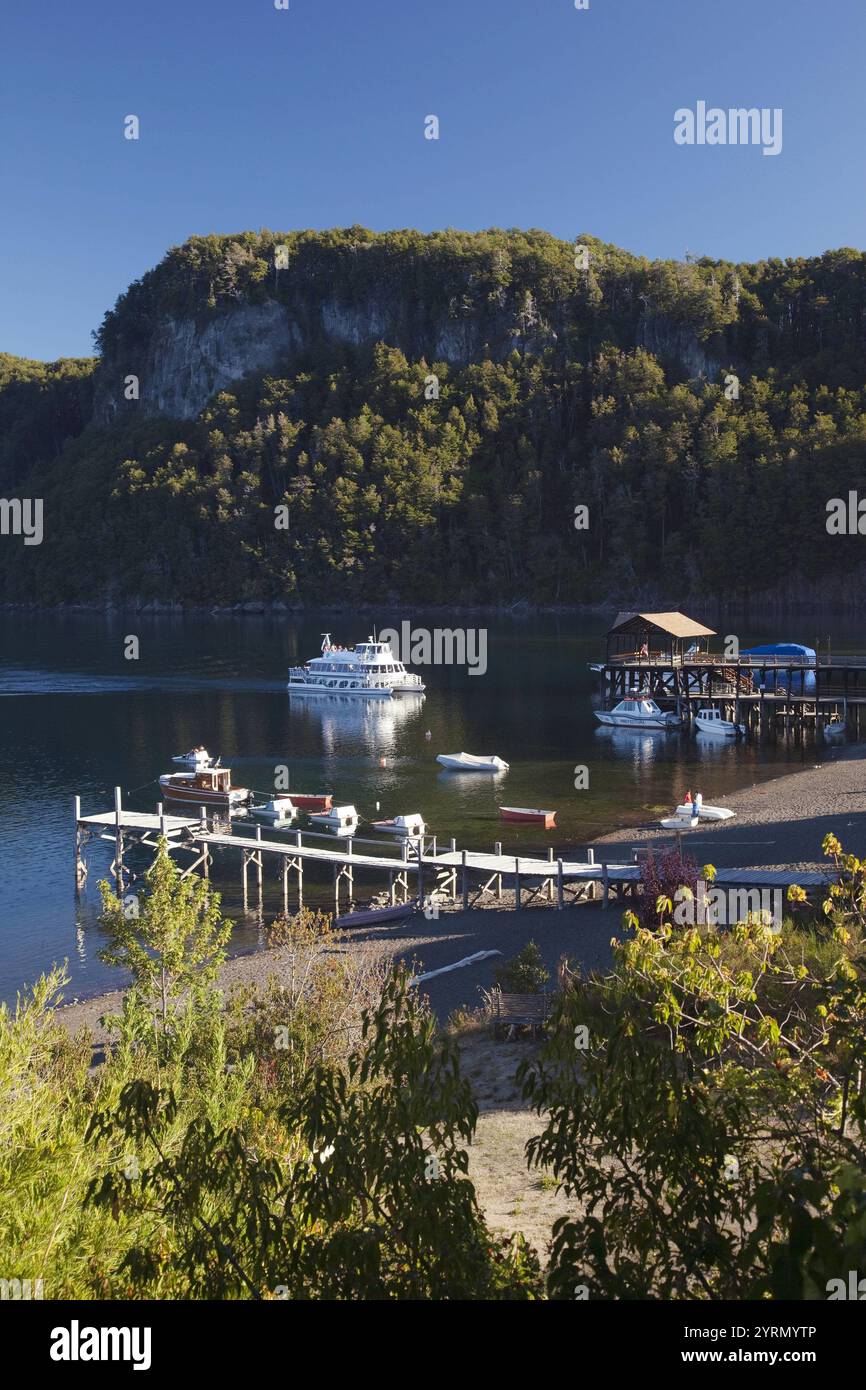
{"points": [[525, 813]]}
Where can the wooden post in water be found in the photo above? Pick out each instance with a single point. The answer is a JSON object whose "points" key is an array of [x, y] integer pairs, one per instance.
{"points": [[516, 883], [259, 857], [550, 880], [605, 881], [118, 841], [497, 850], [560, 887], [80, 866], [464, 882]]}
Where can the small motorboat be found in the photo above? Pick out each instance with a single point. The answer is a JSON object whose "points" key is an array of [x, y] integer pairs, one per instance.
{"points": [[280, 811], [343, 820], [530, 817], [410, 826], [312, 801], [209, 786], [471, 762], [196, 757], [710, 721], [374, 915], [834, 729], [638, 712]]}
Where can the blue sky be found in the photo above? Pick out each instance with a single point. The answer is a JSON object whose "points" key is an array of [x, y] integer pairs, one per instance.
{"points": [[313, 117]]}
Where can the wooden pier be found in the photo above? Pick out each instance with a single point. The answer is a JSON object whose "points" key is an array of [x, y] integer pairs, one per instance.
{"points": [[666, 656], [416, 868]]}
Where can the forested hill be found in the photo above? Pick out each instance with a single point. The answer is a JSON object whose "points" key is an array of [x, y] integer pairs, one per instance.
{"points": [[421, 415]]}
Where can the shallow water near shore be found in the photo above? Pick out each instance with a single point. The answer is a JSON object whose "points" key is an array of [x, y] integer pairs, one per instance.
{"points": [[76, 717]]}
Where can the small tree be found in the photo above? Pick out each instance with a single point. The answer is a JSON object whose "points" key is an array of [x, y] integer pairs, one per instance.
{"points": [[171, 939], [524, 973], [705, 1108], [361, 1191], [660, 877]]}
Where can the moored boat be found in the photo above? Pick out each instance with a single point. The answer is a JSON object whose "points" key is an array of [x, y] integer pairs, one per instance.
{"points": [[209, 786], [312, 801], [638, 712], [470, 762], [279, 811], [411, 826], [528, 815], [343, 820], [710, 721]]}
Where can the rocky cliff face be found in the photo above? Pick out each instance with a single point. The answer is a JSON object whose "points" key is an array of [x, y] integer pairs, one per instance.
{"points": [[187, 360]]}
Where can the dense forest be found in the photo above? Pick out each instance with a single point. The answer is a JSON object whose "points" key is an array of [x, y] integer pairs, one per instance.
{"points": [[702, 412]]}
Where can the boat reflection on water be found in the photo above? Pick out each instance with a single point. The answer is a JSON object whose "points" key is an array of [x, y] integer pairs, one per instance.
{"points": [[373, 721], [638, 745], [716, 750]]}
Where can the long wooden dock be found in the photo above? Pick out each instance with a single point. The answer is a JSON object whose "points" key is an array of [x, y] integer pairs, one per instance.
{"points": [[433, 872]]}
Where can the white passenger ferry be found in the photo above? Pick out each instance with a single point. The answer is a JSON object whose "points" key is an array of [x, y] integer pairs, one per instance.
{"points": [[370, 668]]}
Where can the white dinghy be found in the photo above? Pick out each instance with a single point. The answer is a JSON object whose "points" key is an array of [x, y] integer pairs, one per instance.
{"points": [[196, 758], [692, 812], [471, 762]]}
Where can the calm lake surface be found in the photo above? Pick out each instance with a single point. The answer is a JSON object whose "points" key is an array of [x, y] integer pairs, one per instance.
{"points": [[76, 717]]}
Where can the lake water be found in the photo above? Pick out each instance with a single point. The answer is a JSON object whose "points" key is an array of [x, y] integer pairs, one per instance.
{"points": [[77, 717]]}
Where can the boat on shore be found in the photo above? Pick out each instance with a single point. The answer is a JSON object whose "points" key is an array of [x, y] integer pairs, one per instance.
{"points": [[209, 786], [638, 713], [528, 816], [372, 916], [692, 811], [710, 721], [368, 669], [471, 762]]}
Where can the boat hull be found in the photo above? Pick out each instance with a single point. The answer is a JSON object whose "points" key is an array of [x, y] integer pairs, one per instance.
{"points": [[373, 692], [636, 722], [527, 816], [466, 762], [377, 914], [198, 796], [318, 801], [722, 728]]}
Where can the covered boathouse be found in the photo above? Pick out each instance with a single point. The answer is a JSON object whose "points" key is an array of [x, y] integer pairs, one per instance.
{"points": [[660, 638]]}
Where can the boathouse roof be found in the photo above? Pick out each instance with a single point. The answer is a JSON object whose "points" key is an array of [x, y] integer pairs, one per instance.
{"points": [[674, 624]]}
